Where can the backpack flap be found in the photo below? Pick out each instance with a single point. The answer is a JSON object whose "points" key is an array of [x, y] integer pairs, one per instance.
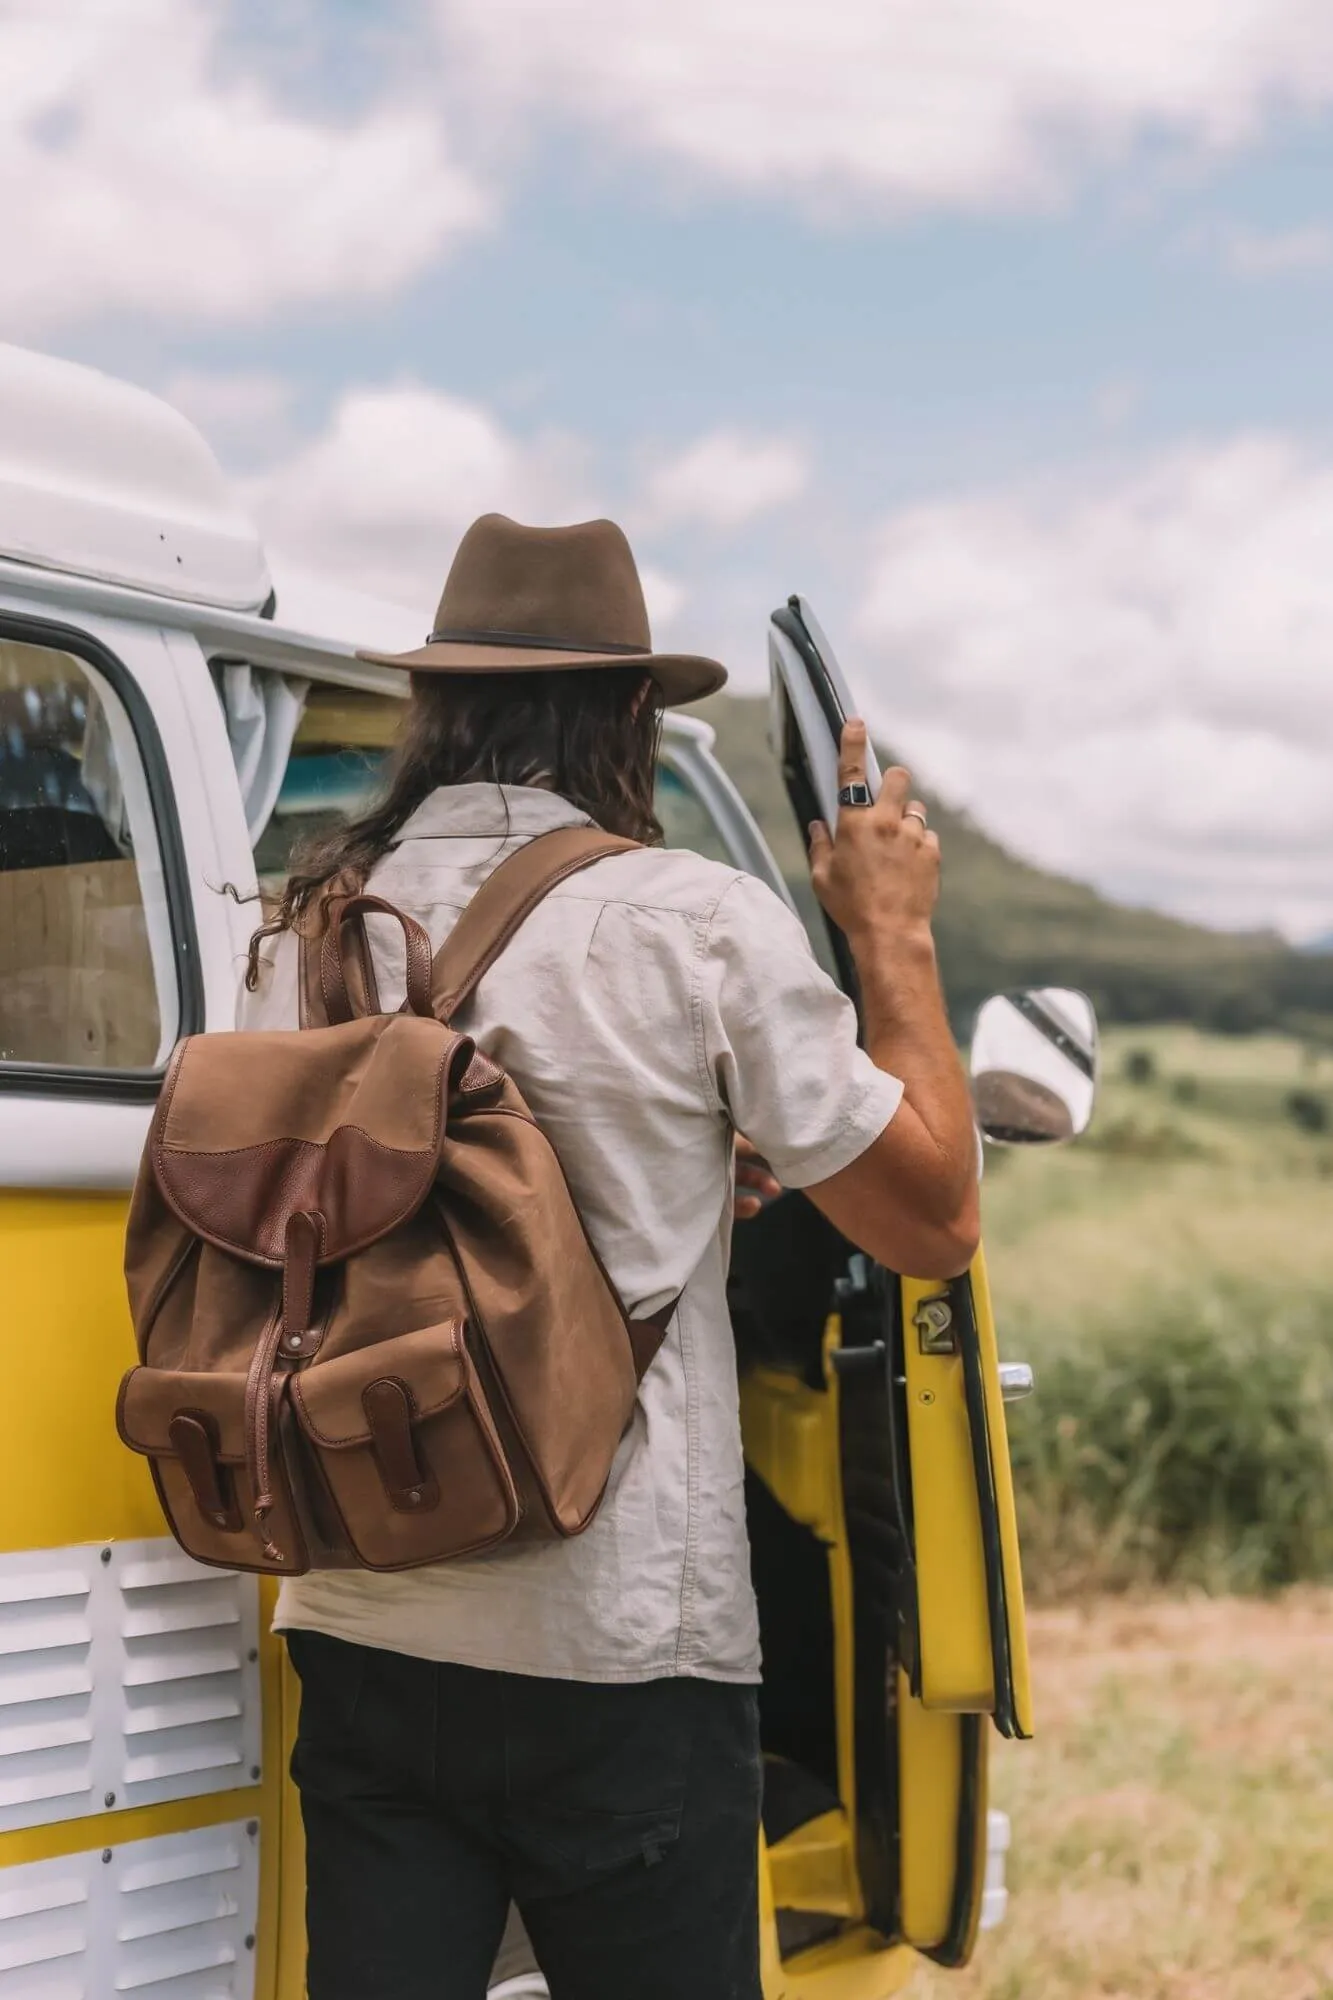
{"points": [[344, 1123]]}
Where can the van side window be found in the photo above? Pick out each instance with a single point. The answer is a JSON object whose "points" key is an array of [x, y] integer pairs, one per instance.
{"points": [[335, 768], [86, 971]]}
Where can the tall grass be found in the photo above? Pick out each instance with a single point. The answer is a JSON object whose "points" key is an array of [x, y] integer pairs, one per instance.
{"points": [[1187, 1441]]}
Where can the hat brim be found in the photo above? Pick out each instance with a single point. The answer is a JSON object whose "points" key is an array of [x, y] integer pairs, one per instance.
{"points": [[682, 677]]}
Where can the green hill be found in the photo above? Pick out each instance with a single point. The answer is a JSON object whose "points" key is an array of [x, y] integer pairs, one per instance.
{"points": [[1003, 922]]}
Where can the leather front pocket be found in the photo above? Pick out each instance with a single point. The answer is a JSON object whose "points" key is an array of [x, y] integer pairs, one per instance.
{"points": [[191, 1429], [407, 1448]]}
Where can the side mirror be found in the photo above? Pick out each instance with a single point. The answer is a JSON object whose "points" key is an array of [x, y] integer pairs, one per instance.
{"points": [[1034, 1066]]}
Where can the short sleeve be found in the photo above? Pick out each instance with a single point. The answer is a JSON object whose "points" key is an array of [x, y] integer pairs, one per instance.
{"points": [[779, 1042]]}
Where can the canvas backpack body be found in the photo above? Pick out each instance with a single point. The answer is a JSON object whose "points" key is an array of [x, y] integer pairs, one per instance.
{"points": [[372, 1330]]}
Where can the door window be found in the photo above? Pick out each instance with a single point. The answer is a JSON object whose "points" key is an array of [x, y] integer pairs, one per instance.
{"points": [[87, 975]]}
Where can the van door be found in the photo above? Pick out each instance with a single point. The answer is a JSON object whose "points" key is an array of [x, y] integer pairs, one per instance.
{"points": [[140, 1789], [937, 1616]]}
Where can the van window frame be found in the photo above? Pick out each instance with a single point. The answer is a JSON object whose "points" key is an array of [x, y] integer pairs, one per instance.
{"points": [[85, 1080]]}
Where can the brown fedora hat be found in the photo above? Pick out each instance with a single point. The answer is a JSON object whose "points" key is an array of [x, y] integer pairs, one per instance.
{"points": [[518, 600]]}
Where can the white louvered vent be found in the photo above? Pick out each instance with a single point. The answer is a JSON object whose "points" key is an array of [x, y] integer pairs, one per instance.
{"points": [[168, 1919], [127, 1677]]}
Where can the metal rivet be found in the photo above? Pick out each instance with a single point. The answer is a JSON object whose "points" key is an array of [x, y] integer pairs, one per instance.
{"points": [[254, 1772], [414, 1495], [220, 1519], [293, 1340], [106, 1555], [110, 1799], [106, 1854]]}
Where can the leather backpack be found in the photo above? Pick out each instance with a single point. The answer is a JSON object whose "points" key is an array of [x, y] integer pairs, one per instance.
{"points": [[372, 1330]]}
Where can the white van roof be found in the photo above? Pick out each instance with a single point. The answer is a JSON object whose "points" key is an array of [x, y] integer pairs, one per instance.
{"points": [[101, 479]]}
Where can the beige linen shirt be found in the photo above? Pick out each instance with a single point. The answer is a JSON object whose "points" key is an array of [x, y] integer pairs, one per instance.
{"points": [[651, 1007]]}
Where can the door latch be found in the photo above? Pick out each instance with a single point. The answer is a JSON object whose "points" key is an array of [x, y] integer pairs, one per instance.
{"points": [[935, 1332]]}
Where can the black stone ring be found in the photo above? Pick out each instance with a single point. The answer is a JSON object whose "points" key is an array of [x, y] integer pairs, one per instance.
{"points": [[855, 795]]}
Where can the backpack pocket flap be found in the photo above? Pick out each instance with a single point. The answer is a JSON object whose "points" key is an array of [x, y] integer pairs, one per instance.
{"points": [[424, 1372], [153, 1401]]}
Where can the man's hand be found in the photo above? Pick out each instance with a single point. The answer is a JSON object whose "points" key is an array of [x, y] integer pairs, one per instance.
{"points": [[878, 876], [754, 1180], [911, 1198]]}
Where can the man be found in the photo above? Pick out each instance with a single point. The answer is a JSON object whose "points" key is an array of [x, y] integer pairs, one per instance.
{"points": [[574, 1725]]}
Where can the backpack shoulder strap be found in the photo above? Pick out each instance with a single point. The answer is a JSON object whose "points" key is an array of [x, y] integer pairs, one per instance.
{"points": [[507, 896]]}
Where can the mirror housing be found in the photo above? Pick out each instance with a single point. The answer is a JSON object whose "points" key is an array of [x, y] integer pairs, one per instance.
{"points": [[1034, 1066]]}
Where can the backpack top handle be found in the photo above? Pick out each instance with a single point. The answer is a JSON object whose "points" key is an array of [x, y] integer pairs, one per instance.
{"points": [[348, 990], [338, 973]]}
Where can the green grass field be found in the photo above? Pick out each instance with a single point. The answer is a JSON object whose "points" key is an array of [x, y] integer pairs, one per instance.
{"points": [[1171, 1277], [1171, 1818], [1199, 1175]]}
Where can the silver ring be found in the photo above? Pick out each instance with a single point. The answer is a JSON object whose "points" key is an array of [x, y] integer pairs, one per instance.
{"points": [[912, 813], [855, 795]]}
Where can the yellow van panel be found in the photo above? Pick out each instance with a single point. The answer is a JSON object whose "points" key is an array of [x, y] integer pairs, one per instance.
{"points": [[68, 1480], [957, 1656], [68, 1341], [956, 1670]]}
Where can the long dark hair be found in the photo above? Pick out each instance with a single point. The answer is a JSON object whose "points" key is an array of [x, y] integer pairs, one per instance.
{"points": [[590, 733]]}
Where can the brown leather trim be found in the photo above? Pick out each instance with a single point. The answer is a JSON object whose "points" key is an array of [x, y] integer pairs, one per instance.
{"points": [[505, 899]]}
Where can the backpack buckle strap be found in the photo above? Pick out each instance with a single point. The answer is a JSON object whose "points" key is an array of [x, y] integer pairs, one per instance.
{"points": [[303, 1240], [389, 1411], [194, 1440]]}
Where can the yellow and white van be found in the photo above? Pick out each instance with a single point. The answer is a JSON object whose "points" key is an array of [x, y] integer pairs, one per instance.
{"points": [[163, 739]]}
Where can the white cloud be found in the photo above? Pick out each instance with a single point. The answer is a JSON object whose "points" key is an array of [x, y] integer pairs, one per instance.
{"points": [[1130, 677], [244, 416], [135, 174], [382, 495], [1278, 254], [725, 479], [975, 104]]}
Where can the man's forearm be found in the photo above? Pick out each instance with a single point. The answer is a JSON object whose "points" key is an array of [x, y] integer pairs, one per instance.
{"points": [[907, 1032]]}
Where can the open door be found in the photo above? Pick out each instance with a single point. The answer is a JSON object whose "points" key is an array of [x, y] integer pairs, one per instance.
{"points": [[935, 1637]]}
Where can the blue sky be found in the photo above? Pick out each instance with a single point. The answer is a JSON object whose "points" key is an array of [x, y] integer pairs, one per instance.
{"points": [[1002, 338]]}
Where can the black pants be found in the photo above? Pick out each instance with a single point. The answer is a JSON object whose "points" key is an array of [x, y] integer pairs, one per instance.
{"points": [[622, 1820]]}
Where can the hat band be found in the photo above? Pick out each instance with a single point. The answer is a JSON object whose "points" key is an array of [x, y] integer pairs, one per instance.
{"points": [[539, 641]]}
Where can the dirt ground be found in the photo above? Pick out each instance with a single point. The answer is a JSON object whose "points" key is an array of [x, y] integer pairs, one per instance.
{"points": [[1173, 1819]]}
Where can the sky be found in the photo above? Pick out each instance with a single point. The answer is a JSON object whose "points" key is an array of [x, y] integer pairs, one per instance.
{"points": [[997, 328]]}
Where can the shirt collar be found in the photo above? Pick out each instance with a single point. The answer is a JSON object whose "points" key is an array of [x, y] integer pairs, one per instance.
{"points": [[491, 811]]}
